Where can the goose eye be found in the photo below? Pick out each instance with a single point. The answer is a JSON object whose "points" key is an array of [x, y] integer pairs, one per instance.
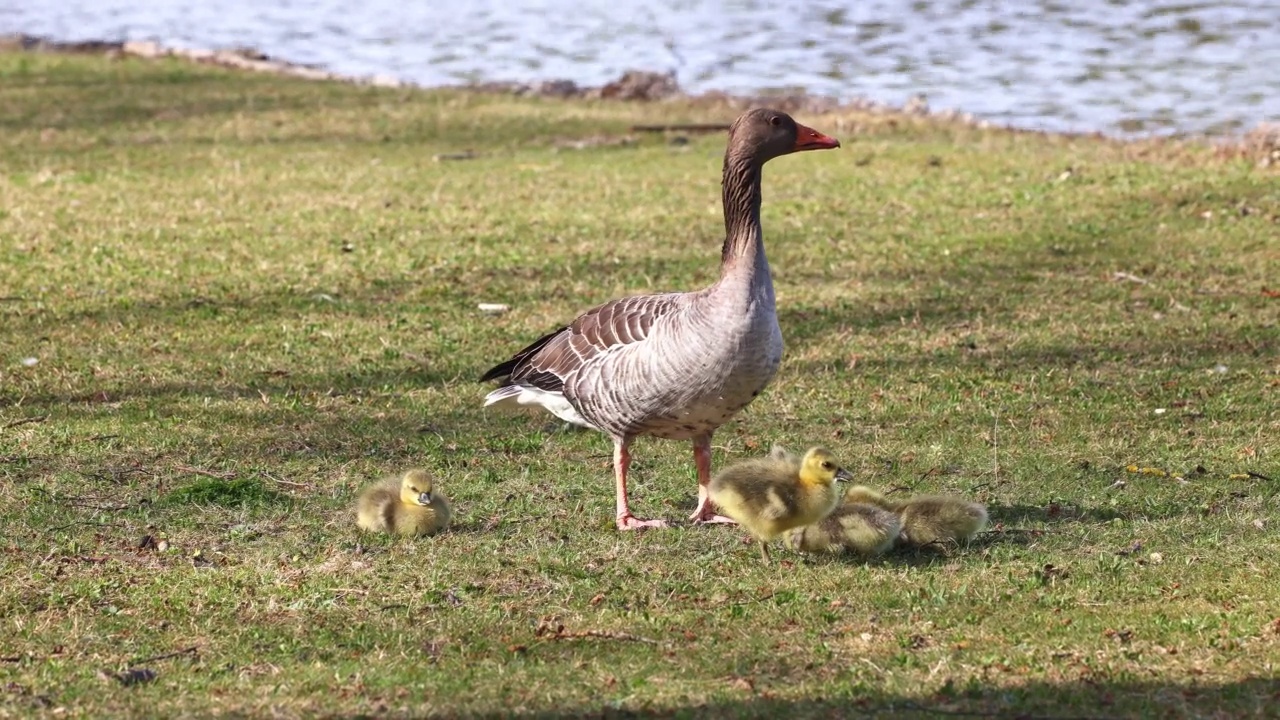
{"points": [[775, 121], [828, 466]]}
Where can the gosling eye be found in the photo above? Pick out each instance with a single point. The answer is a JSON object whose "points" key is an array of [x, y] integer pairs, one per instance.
{"points": [[775, 121], [826, 465]]}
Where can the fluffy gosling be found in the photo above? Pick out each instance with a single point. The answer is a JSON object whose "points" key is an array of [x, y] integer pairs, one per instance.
{"points": [[771, 495], [406, 505], [858, 528], [926, 519], [940, 520]]}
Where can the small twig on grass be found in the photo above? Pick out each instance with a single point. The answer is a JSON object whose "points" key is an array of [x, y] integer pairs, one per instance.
{"points": [[176, 653], [92, 506], [275, 479], [19, 298], [551, 630], [1130, 277], [601, 634], [206, 473], [116, 475], [874, 666], [64, 526], [1258, 476], [26, 421], [734, 603], [464, 155]]}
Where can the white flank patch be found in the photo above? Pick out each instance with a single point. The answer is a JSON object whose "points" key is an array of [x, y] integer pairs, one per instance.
{"points": [[552, 402]]}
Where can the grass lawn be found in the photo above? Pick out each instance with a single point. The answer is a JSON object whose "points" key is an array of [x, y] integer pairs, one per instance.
{"points": [[229, 301]]}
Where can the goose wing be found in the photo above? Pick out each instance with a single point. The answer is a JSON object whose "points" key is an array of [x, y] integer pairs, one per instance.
{"points": [[548, 362]]}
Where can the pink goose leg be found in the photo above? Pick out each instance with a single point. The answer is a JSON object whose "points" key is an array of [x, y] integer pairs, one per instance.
{"points": [[705, 512], [621, 461]]}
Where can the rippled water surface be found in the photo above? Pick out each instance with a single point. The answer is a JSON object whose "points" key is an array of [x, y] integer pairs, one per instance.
{"points": [[1153, 66]]}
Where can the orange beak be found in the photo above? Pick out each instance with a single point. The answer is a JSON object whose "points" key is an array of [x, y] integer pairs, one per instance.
{"points": [[809, 139]]}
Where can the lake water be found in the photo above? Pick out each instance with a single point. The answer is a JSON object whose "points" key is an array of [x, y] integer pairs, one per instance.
{"points": [[1125, 68]]}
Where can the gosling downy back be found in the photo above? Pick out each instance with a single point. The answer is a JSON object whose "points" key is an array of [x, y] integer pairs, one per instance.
{"points": [[866, 496], [777, 452], [858, 528], [940, 520]]}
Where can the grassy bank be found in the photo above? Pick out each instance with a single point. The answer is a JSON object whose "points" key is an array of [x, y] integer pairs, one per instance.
{"points": [[229, 301]]}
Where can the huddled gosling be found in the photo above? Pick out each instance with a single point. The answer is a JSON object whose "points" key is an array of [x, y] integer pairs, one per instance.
{"points": [[928, 519], [406, 505], [940, 520], [867, 496], [771, 495], [858, 528]]}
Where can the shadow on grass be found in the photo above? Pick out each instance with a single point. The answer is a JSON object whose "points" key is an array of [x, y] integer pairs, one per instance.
{"points": [[231, 319], [250, 387], [1058, 513], [1100, 699]]}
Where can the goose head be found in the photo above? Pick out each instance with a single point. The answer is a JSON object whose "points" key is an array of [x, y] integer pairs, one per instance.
{"points": [[415, 488], [767, 134]]}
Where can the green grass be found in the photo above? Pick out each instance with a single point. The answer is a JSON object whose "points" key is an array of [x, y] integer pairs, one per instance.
{"points": [[249, 296]]}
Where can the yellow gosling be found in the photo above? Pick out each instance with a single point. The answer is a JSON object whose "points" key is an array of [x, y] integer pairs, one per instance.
{"points": [[771, 495], [407, 505]]}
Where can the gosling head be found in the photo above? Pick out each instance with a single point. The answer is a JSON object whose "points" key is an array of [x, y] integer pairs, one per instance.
{"points": [[415, 488], [819, 467]]}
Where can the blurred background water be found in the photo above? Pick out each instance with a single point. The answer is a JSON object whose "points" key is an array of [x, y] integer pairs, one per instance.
{"points": [[1140, 67]]}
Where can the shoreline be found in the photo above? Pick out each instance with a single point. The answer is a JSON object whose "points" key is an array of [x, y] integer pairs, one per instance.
{"points": [[1260, 143]]}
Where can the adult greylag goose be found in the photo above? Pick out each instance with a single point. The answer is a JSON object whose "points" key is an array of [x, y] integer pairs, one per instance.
{"points": [[674, 365]]}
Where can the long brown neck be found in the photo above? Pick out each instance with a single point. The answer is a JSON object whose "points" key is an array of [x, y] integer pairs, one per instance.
{"points": [[741, 190]]}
